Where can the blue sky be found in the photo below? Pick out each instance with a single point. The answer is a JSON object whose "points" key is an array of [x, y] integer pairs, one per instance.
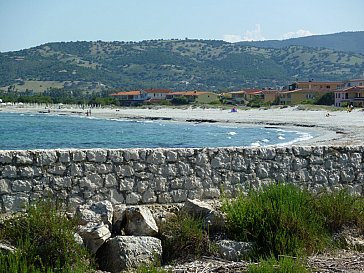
{"points": [[28, 23]]}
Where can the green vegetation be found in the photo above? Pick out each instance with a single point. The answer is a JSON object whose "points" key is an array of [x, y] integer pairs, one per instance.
{"points": [[282, 265], [174, 64], [280, 219], [285, 220], [285, 223], [44, 240], [184, 237]]}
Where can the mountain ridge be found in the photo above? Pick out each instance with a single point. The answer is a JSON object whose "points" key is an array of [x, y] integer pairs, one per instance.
{"points": [[175, 64]]}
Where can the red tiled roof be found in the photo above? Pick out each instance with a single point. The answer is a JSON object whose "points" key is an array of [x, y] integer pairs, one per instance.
{"points": [[319, 82], [128, 93]]}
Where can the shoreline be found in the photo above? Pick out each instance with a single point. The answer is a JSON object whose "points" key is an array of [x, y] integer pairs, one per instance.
{"points": [[338, 128]]}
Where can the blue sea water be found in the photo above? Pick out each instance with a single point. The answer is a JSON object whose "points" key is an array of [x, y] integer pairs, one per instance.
{"points": [[45, 131]]}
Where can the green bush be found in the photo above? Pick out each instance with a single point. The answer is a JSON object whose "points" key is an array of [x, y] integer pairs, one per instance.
{"points": [[280, 219], [44, 238], [183, 237], [341, 209]]}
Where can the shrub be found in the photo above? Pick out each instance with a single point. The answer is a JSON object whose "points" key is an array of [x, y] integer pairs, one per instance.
{"points": [[341, 209], [183, 237], [44, 237], [280, 219]]}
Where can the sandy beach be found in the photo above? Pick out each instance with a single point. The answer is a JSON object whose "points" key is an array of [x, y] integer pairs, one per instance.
{"points": [[329, 128]]}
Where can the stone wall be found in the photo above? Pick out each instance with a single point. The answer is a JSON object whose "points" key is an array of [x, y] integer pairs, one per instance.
{"points": [[143, 176]]}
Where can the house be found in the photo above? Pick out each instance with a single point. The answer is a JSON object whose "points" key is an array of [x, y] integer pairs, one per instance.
{"points": [[317, 86], [131, 97], [194, 96], [244, 96], [157, 94], [300, 92], [350, 96]]}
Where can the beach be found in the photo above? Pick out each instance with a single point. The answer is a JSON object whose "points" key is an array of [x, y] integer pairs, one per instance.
{"points": [[328, 127]]}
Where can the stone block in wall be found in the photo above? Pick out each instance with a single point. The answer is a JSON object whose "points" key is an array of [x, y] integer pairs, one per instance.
{"points": [[320, 176], [132, 198], [170, 170], [176, 183], [116, 156], [240, 164], [149, 197], [302, 151], [46, 158], [96, 155], [9, 171], [124, 170], [191, 183], [184, 169], [60, 183], [4, 186], [195, 194], [91, 182], [21, 186], [6, 157], [131, 154], [57, 169], [179, 195], [211, 193], [78, 155], [347, 175], [267, 153], [160, 184], [155, 169], [171, 156], [75, 169], [29, 171], [202, 159], [64, 156], [138, 167], [126, 184], [115, 196], [188, 152], [110, 180], [24, 158], [89, 167], [13, 203], [164, 198], [104, 168], [203, 171], [156, 157], [142, 186]]}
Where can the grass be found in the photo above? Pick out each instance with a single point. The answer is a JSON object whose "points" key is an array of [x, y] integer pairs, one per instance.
{"points": [[44, 241], [280, 265]]}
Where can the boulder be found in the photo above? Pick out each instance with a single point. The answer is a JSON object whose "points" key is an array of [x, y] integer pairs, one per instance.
{"points": [[119, 219], [94, 235], [232, 250], [128, 252], [213, 219], [140, 222], [100, 212]]}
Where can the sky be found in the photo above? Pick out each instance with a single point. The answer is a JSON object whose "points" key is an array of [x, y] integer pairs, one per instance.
{"points": [[29, 23]]}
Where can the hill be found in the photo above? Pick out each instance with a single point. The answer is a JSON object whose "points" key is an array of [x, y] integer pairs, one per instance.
{"points": [[175, 64], [343, 41]]}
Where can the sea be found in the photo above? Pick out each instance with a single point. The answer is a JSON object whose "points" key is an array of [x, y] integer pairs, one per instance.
{"points": [[27, 131]]}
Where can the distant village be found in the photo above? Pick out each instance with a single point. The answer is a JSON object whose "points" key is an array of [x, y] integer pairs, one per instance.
{"points": [[345, 93]]}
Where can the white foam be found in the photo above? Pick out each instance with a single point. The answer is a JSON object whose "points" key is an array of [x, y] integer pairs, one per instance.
{"points": [[265, 140], [232, 133]]}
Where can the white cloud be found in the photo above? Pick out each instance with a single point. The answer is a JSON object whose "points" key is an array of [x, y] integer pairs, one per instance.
{"points": [[250, 35], [296, 34]]}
